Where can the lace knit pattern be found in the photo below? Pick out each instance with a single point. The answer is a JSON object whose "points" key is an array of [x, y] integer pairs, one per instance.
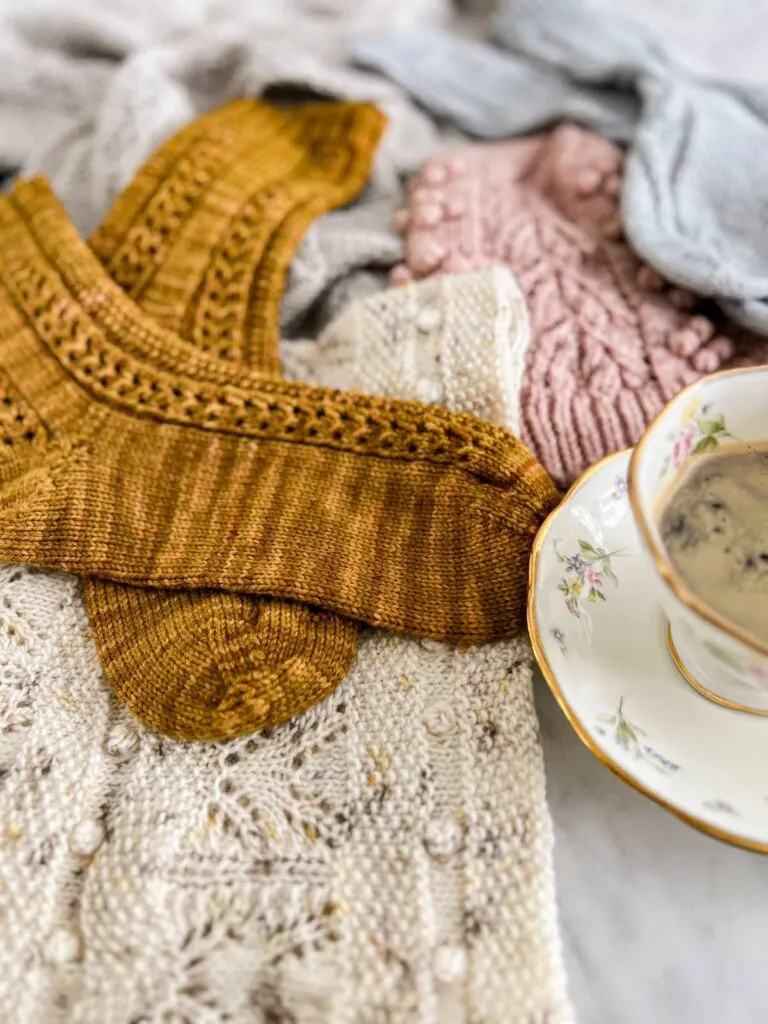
{"points": [[166, 241], [385, 856], [133, 402], [612, 341], [19, 423], [122, 358]]}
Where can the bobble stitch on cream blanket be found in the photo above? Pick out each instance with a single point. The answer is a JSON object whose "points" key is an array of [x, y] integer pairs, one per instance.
{"points": [[387, 855]]}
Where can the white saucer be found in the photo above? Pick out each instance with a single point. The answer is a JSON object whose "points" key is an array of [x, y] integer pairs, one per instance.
{"points": [[600, 639]]}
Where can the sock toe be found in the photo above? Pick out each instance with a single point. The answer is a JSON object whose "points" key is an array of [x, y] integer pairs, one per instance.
{"points": [[252, 665]]}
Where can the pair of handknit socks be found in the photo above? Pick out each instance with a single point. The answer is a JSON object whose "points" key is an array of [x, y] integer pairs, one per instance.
{"points": [[146, 460], [612, 340], [201, 240]]}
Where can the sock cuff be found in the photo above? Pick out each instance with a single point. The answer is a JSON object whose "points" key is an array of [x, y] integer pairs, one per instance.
{"points": [[195, 161], [76, 317], [205, 233]]}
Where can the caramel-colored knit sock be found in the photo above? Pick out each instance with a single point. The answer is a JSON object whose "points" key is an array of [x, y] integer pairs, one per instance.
{"points": [[174, 469], [202, 239]]}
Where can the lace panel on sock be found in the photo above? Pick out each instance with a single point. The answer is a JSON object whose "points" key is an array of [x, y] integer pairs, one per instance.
{"points": [[218, 321], [19, 423], [277, 411], [146, 244]]}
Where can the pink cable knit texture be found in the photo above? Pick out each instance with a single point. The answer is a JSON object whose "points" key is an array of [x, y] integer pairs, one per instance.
{"points": [[612, 341]]}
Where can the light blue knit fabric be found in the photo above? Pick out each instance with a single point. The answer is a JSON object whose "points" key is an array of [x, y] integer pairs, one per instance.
{"points": [[695, 193]]}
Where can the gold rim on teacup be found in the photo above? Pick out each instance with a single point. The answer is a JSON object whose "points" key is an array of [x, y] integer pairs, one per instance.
{"points": [[665, 569], [693, 682]]}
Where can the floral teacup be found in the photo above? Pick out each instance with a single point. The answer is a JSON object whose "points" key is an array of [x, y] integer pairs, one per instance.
{"points": [[717, 656]]}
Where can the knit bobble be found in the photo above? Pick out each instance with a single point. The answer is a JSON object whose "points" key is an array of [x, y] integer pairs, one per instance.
{"points": [[587, 180], [702, 326], [436, 172], [684, 343], [724, 346], [426, 255], [450, 964], [428, 319], [442, 837], [706, 361], [429, 391], [427, 216], [86, 837], [63, 946], [455, 206], [122, 742], [712, 357]]}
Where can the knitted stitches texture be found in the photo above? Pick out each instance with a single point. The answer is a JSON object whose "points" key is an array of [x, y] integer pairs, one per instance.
{"points": [[612, 342], [240, 510], [151, 84], [387, 856], [205, 232], [202, 239], [692, 197], [90, 124]]}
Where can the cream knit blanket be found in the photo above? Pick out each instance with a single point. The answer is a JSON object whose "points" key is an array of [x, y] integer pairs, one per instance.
{"points": [[384, 857]]}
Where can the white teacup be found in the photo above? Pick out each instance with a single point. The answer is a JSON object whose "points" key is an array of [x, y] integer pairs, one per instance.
{"points": [[718, 657]]}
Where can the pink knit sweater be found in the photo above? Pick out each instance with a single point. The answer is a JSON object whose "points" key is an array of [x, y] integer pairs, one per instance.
{"points": [[612, 341]]}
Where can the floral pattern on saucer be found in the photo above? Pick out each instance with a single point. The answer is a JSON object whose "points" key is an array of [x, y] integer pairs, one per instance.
{"points": [[722, 806], [585, 574], [560, 639], [608, 664], [620, 487], [630, 738]]}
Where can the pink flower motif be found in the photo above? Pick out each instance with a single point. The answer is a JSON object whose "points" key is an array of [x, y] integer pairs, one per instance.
{"points": [[683, 445], [591, 575], [572, 607]]}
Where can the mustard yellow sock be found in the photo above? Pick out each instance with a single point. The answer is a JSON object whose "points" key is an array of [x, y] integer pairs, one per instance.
{"points": [[202, 239], [170, 468]]}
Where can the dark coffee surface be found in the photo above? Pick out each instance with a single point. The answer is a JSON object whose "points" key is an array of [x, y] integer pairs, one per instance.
{"points": [[714, 526]]}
